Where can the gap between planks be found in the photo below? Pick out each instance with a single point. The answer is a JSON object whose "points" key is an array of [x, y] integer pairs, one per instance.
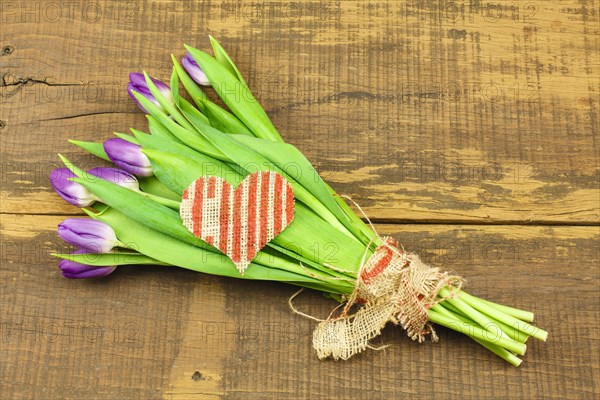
{"points": [[399, 221]]}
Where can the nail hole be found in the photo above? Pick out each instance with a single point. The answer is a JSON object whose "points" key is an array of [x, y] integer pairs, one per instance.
{"points": [[197, 376], [6, 50]]}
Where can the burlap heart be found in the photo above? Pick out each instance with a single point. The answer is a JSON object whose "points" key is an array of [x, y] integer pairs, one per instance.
{"points": [[240, 221]]}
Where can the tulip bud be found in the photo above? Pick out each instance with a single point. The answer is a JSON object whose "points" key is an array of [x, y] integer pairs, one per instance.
{"points": [[115, 175], [194, 70], [128, 156], [75, 270], [88, 234], [72, 192], [138, 83]]}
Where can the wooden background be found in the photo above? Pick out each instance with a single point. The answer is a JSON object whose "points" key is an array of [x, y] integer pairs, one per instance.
{"points": [[467, 129]]}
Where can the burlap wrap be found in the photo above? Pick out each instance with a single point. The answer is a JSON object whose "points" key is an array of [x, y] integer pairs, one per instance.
{"points": [[392, 286]]}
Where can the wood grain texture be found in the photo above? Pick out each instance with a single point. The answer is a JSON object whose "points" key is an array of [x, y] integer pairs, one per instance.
{"points": [[482, 113], [468, 130], [162, 332]]}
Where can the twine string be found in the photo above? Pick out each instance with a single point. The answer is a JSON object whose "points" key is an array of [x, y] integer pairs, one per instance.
{"points": [[296, 311], [391, 285]]}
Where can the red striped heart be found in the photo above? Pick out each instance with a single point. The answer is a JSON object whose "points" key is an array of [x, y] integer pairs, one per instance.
{"points": [[240, 221]]}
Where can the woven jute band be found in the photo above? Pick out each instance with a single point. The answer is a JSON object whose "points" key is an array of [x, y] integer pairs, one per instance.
{"points": [[392, 286]]}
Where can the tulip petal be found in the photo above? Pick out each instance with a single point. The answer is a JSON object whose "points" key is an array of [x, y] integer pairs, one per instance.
{"points": [[194, 70], [88, 234], [137, 83], [71, 192], [75, 270], [115, 175], [128, 156]]}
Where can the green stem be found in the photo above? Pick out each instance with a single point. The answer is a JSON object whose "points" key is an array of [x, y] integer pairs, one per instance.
{"points": [[476, 332], [515, 312], [498, 350], [506, 319], [274, 261], [512, 333], [472, 313]]}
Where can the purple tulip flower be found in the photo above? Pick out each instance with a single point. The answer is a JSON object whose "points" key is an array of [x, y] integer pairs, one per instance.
{"points": [[138, 83], [72, 192], [115, 175], [88, 234], [194, 70], [75, 270], [128, 156]]}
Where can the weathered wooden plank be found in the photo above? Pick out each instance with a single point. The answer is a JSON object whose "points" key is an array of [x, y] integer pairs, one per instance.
{"points": [[150, 332], [431, 112], [472, 112]]}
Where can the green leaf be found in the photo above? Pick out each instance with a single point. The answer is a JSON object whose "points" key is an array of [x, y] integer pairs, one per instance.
{"points": [[188, 83], [152, 185], [236, 95], [167, 249], [223, 120], [126, 137], [169, 106], [306, 262], [94, 148], [177, 166], [192, 113], [310, 239], [76, 170], [137, 207], [201, 162], [252, 161], [183, 104], [369, 236], [109, 259], [178, 172], [174, 84], [289, 159], [223, 58], [160, 143], [158, 129], [190, 138], [334, 296]]}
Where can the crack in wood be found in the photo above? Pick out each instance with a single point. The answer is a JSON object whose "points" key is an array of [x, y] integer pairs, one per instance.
{"points": [[18, 83], [85, 115]]}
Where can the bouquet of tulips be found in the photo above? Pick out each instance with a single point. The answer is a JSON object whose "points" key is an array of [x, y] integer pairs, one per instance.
{"points": [[217, 190]]}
